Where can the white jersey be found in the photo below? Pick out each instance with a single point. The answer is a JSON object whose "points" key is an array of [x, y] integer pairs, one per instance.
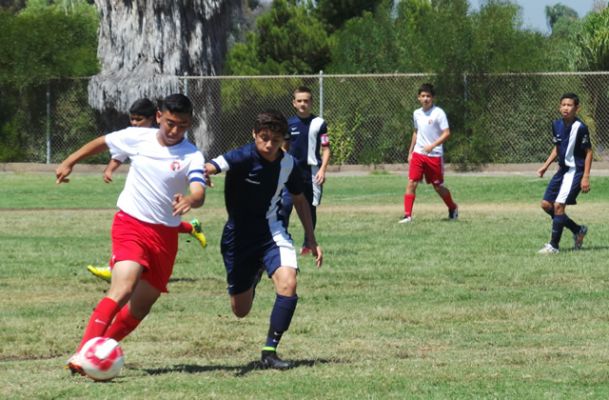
{"points": [[156, 174], [429, 126]]}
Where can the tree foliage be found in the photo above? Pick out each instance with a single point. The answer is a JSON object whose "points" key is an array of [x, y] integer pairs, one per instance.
{"points": [[288, 39], [334, 13]]}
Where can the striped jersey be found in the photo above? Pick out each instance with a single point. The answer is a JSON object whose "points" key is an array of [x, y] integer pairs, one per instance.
{"points": [[307, 136], [156, 174], [253, 186], [572, 141]]}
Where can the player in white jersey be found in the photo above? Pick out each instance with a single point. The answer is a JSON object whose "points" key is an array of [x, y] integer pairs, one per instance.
{"points": [[145, 229], [426, 153]]}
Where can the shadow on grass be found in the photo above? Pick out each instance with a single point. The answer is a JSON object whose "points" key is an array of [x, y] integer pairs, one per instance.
{"points": [[239, 370], [585, 249]]}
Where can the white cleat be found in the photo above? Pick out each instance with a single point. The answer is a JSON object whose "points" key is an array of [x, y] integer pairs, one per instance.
{"points": [[548, 249]]}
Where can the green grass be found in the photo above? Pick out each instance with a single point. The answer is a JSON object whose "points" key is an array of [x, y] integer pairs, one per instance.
{"points": [[430, 310]]}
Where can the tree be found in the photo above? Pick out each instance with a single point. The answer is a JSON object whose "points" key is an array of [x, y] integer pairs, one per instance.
{"points": [[557, 12], [288, 39], [335, 13]]}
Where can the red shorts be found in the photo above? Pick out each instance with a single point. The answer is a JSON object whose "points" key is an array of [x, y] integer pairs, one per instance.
{"points": [[153, 246], [430, 167]]}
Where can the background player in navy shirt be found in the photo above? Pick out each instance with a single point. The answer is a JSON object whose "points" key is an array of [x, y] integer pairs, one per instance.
{"points": [[310, 146], [255, 236], [574, 153]]}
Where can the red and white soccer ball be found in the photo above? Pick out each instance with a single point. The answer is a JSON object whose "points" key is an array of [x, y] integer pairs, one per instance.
{"points": [[101, 358]]}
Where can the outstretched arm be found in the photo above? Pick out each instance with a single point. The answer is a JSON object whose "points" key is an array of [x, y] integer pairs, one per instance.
{"points": [[195, 199], [64, 169], [304, 213]]}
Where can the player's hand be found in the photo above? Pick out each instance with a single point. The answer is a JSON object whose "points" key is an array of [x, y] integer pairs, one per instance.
{"points": [[62, 172], [428, 149], [409, 157], [181, 204], [320, 177], [541, 171], [107, 177], [318, 254], [585, 185]]}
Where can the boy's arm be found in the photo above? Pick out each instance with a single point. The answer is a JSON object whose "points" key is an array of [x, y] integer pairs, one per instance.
{"points": [[412, 143], [64, 169], [587, 167], [304, 213], [549, 161], [110, 168], [320, 177], [195, 199], [443, 138]]}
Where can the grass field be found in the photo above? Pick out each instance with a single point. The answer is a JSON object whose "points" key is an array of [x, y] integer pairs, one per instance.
{"points": [[430, 310]]}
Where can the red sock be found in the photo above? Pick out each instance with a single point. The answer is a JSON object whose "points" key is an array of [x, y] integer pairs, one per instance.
{"points": [[448, 200], [123, 324], [185, 227], [101, 317], [408, 204]]}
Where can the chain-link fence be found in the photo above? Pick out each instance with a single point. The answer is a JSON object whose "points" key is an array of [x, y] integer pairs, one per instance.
{"points": [[502, 118]]}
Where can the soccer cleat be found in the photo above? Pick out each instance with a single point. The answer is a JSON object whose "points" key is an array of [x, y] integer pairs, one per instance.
{"points": [[548, 249], [305, 250], [578, 238], [74, 366], [197, 232], [453, 214], [104, 273], [270, 359], [405, 219]]}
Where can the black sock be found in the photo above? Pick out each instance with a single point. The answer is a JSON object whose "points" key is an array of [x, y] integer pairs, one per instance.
{"points": [[558, 224], [281, 317]]}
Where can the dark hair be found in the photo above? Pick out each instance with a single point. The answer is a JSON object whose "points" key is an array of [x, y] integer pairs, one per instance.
{"points": [[571, 96], [272, 120], [143, 107], [302, 89], [427, 88], [176, 104]]}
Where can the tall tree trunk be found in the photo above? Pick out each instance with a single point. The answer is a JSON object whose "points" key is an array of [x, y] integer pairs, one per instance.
{"points": [[145, 45]]}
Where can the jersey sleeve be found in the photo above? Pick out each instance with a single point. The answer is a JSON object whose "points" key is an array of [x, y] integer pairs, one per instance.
{"points": [[442, 120], [555, 138], [230, 160], [295, 182], [414, 121], [585, 137], [196, 171], [324, 139], [120, 144]]}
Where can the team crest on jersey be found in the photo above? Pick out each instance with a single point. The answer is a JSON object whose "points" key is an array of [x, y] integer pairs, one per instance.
{"points": [[430, 121], [175, 166]]}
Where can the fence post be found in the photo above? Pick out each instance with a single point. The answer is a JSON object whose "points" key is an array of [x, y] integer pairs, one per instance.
{"points": [[186, 94], [321, 94], [48, 127], [465, 87]]}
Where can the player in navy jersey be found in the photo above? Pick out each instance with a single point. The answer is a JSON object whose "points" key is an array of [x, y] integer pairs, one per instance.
{"points": [[255, 237], [165, 181], [310, 146], [574, 152]]}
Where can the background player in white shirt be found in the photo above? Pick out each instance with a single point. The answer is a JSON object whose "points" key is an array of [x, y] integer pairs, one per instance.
{"points": [[145, 229], [425, 156]]}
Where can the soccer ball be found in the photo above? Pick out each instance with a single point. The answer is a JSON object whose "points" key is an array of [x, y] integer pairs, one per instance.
{"points": [[101, 358]]}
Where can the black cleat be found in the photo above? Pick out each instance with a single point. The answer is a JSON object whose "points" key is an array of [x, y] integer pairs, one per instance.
{"points": [[270, 359]]}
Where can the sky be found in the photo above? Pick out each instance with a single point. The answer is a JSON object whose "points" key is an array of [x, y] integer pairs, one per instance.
{"points": [[534, 11]]}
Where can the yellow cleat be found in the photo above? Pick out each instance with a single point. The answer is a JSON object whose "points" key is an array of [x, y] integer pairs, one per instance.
{"points": [[104, 273], [197, 232]]}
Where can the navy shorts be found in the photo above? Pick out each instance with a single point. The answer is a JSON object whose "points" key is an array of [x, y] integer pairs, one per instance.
{"points": [[564, 186], [246, 252]]}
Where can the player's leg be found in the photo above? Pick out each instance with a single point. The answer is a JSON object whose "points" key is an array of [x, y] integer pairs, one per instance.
{"points": [[548, 207], [310, 194], [415, 175], [284, 279], [132, 313], [434, 174], [579, 231]]}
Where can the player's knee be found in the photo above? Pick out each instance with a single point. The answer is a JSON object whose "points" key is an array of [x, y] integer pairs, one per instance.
{"points": [[546, 205], [286, 287], [241, 310]]}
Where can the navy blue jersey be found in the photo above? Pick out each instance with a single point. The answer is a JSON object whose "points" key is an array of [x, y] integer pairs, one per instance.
{"points": [[253, 185], [307, 137], [572, 141]]}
